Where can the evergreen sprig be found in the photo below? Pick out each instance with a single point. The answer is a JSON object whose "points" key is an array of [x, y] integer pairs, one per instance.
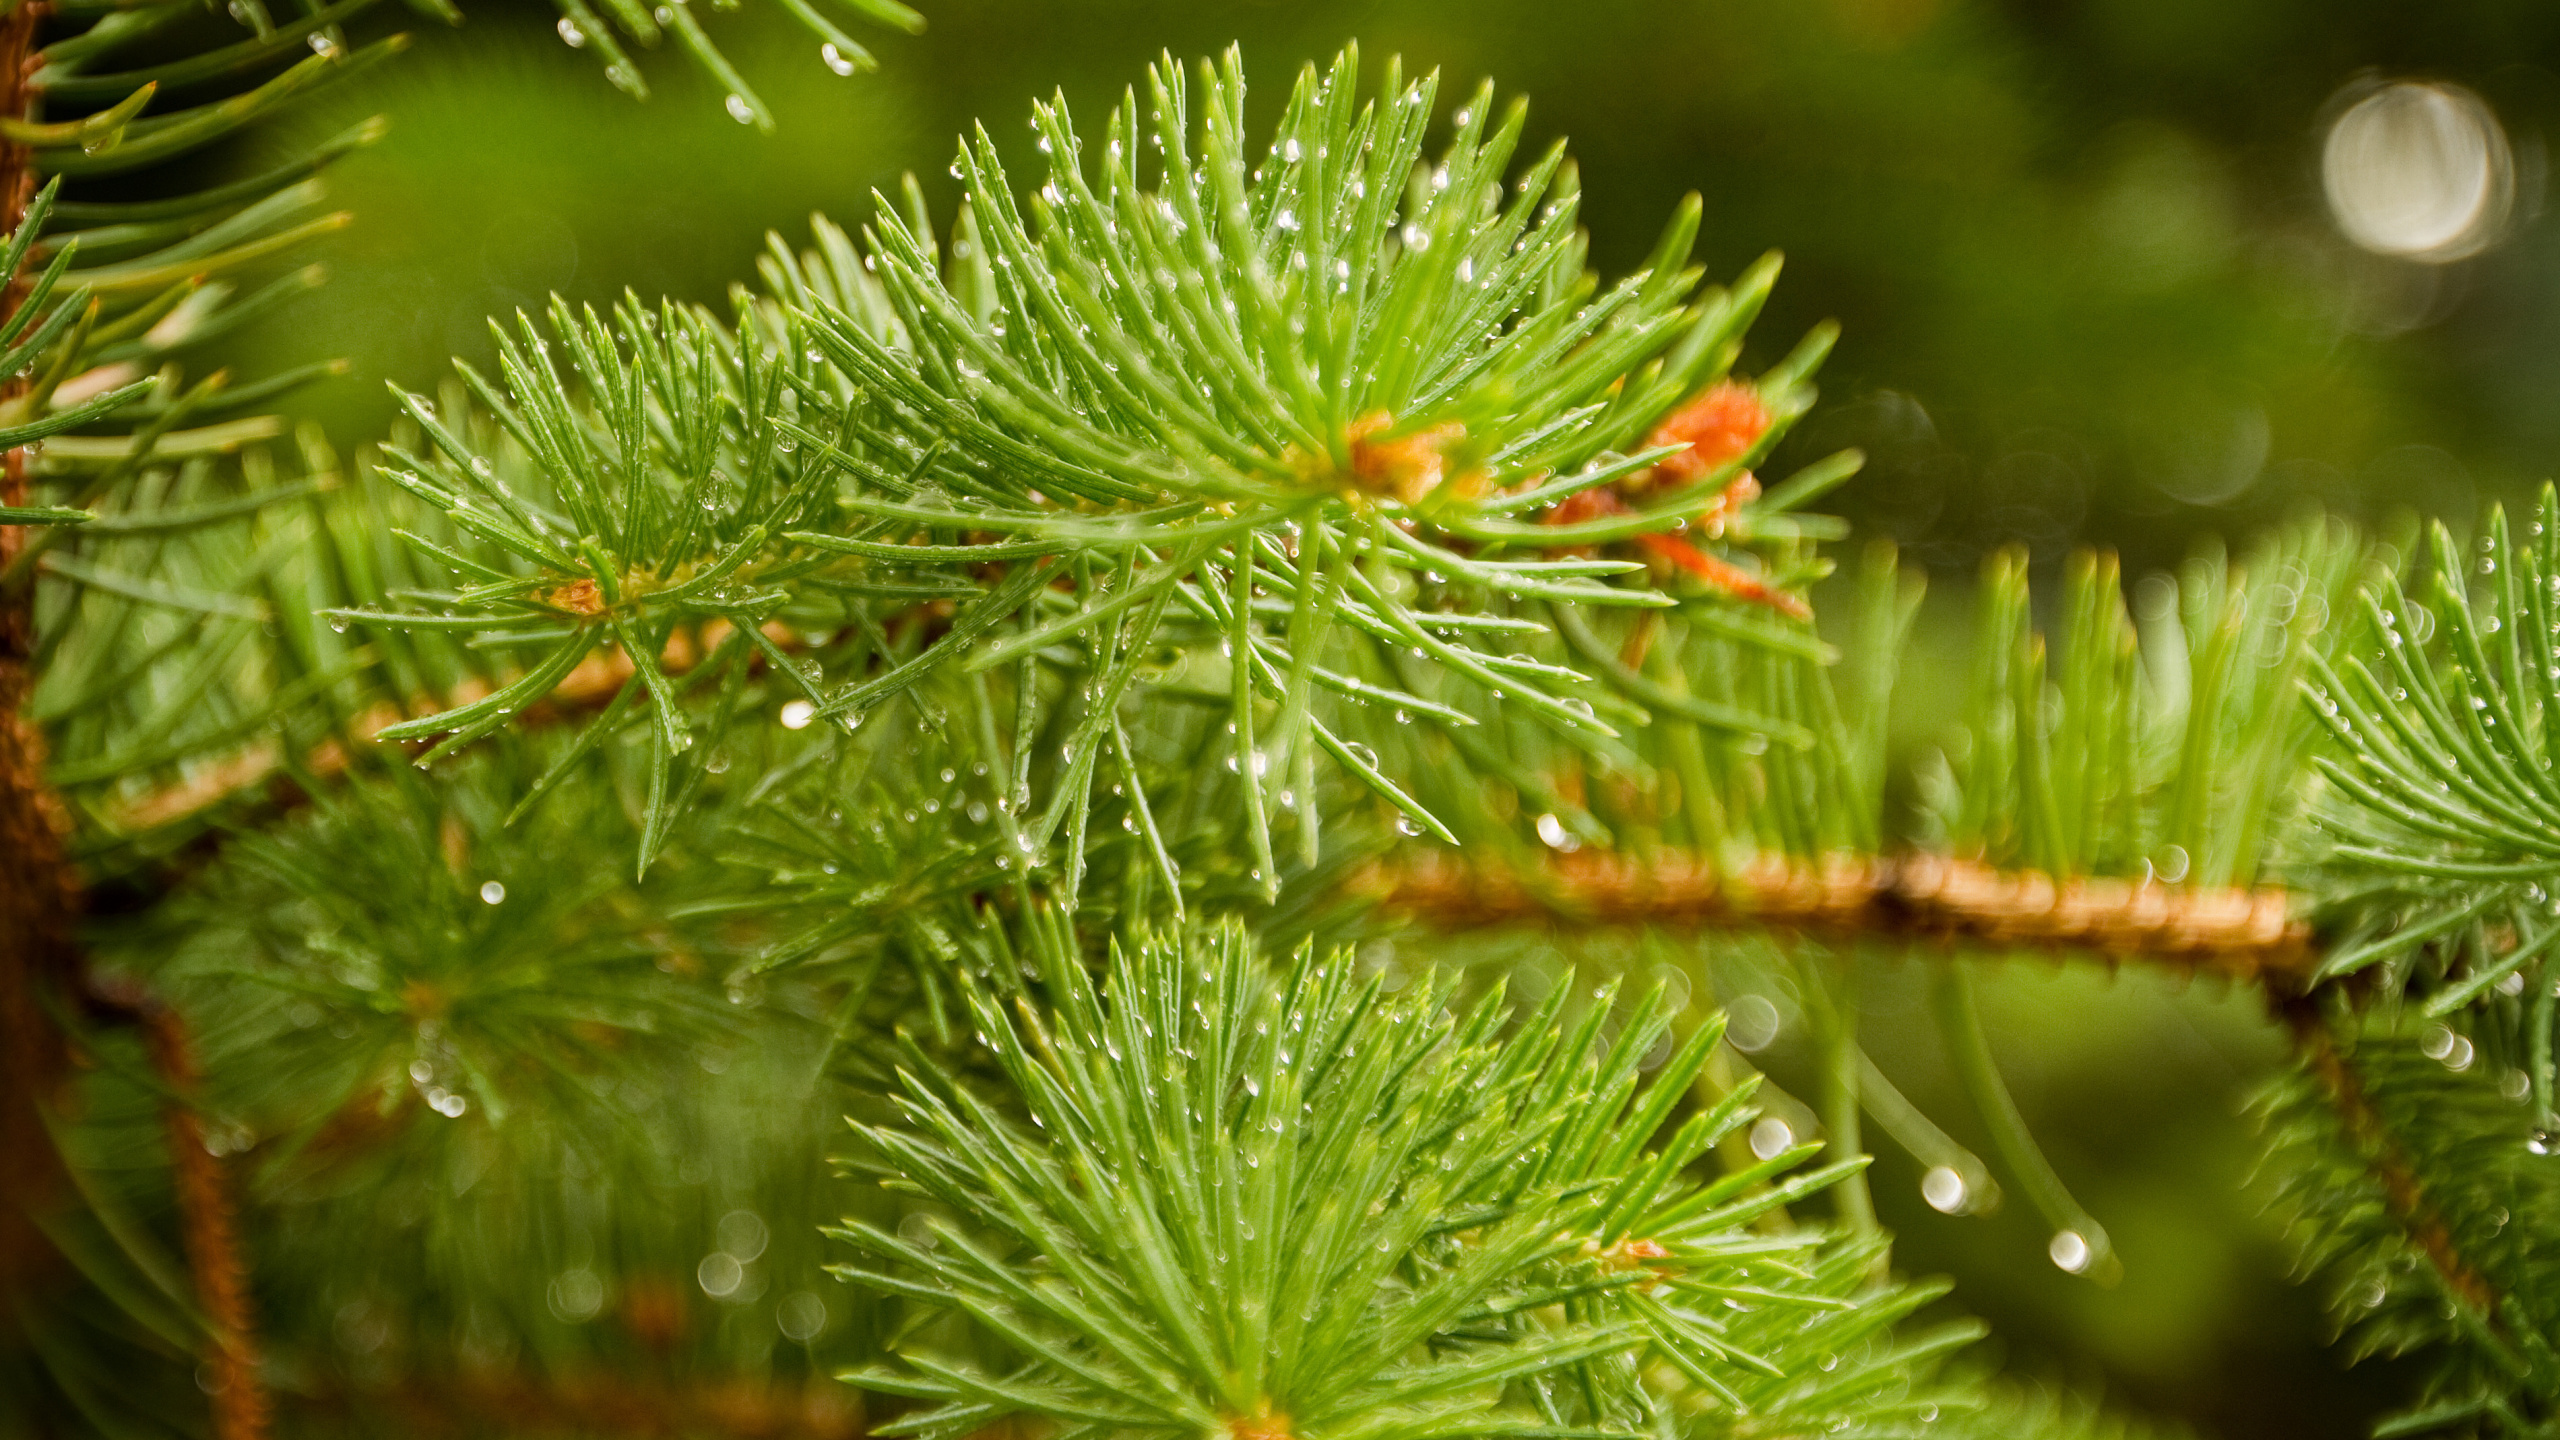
{"points": [[2419, 1191], [2170, 749], [1305, 416], [2444, 793], [1302, 1205]]}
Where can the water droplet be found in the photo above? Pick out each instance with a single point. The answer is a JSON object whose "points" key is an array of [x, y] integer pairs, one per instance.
{"points": [[797, 714], [1557, 837], [493, 893], [836, 59], [739, 110], [1772, 1136], [326, 46], [571, 35], [1945, 1190], [2070, 1250]]}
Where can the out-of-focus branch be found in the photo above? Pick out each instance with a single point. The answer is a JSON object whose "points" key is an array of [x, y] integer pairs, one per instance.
{"points": [[211, 1231], [588, 688], [609, 1404]]}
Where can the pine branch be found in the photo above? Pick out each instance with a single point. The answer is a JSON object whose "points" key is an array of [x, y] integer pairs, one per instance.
{"points": [[2416, 1187], [211, 1227], [1279, 411], [2444, 771], [1920, 900], [588, 688], [1295, 1204], [2367, 1130]]}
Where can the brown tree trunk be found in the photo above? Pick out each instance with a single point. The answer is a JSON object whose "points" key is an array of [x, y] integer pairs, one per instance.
{"points": [[39, 889]]}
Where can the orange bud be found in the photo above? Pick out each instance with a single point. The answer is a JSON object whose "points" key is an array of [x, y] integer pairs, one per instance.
{"points": [[1596, 503], [1724, 575], [1406, 466], [1719, 426], [578, 597]]}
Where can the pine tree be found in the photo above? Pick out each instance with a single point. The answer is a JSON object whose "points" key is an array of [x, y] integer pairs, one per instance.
{"points": [[1067, 686]]}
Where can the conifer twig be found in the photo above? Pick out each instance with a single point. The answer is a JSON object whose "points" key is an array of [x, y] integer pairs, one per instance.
{"points": [[2246, 933], [590, 686], [211, 1233], [2390, 1167]]}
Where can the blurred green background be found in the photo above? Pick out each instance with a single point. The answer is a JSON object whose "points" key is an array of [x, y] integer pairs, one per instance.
{"points": [[2093, 291]]}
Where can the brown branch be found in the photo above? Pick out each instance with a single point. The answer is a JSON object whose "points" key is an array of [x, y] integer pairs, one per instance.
{"points": [[589, 687], [2248, 934], [613, 1403], [211, 1232], [39, 889], [2389, 1165]]}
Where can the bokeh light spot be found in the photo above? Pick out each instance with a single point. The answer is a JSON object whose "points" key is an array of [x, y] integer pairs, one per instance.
{"points": [[2420, 171]]}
